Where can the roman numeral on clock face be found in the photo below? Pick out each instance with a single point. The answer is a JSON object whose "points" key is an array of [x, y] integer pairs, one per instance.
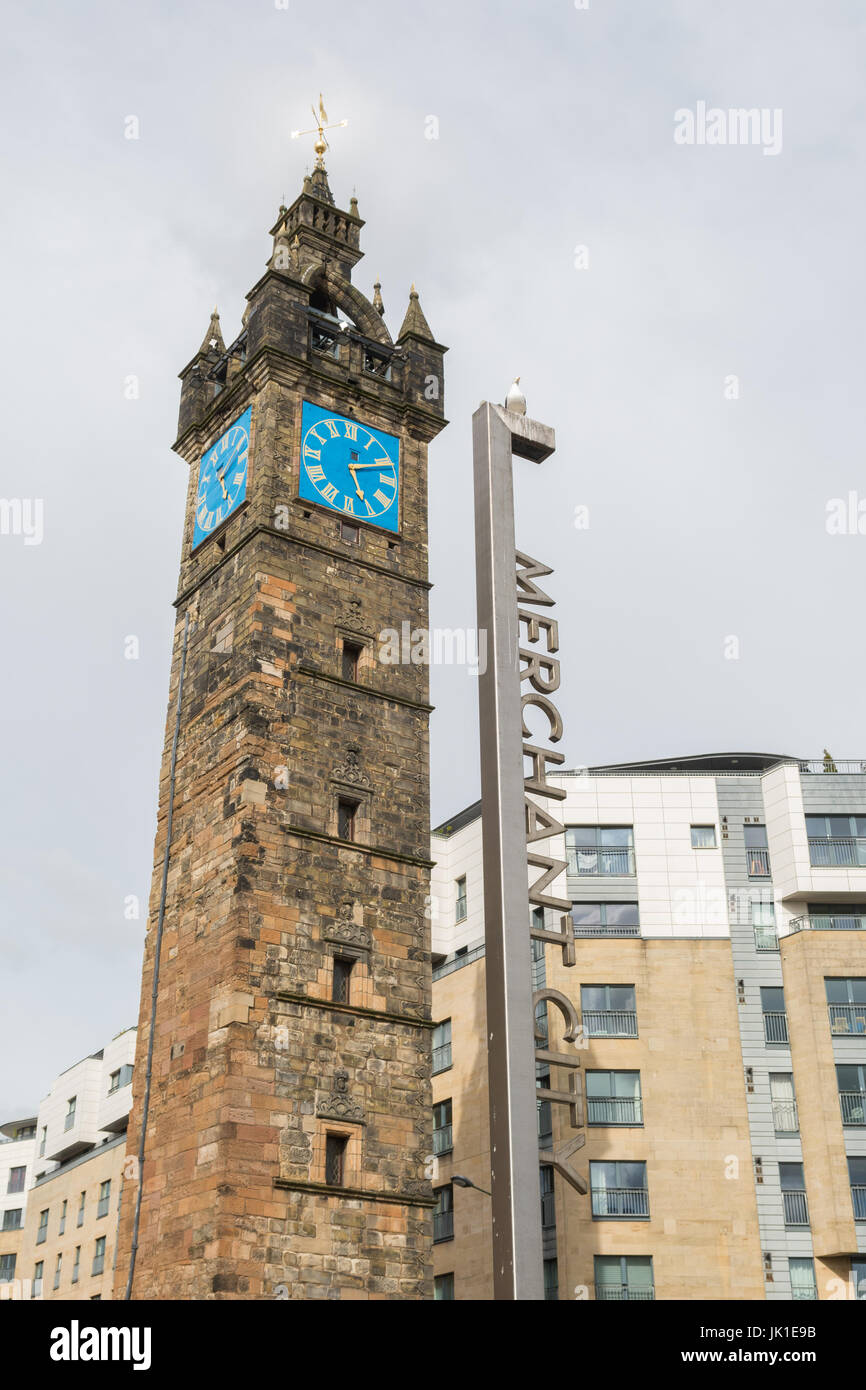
{"points": [[351, 429], [312, 453], [380, 497], [329, 492], [316, 473], [348, 505], [332, 426]]}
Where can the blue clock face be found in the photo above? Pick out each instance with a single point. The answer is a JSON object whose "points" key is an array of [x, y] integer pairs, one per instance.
{"points": [[222, 478], [350, 467]]}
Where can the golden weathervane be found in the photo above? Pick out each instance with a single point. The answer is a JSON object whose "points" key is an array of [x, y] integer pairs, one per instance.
{"points": [[318, 130]]}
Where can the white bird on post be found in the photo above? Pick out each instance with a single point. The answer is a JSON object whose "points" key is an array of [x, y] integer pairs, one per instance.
{"points": [[515, 400]]}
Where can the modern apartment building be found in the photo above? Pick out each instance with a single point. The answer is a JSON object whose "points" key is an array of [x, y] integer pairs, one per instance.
{"points": [[70, 1160], [718, 909]]}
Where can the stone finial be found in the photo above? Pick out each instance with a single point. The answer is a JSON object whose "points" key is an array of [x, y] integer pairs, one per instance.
{"points": [[414, 324], [213, 339], [353, 207], [378, 303]]}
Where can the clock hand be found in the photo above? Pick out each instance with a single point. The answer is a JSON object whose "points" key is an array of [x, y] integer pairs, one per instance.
{"points": [[383, 463], [352, 467]]}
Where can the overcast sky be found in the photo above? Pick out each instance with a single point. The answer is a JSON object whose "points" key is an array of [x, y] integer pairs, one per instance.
{"points": [[707, 509]]}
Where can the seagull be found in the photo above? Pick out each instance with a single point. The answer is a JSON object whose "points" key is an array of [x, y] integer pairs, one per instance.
{"points": [[515, 400]]}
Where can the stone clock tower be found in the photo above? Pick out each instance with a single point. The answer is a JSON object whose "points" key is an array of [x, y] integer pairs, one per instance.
{"points": [[288, 1093]]}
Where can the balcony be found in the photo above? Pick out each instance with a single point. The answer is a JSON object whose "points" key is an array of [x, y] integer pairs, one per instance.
{"points": [[621, 1201], [441, 1058], [599, 929], [442, 1140], [766, 939], [858, 1197], [599, 862], [847, 1018], [443, 1225], [853, 1107], [846, 853], [785, 1117], [609, 1023], [820, 765], [623, 1293], [775, 1027], [796, 1208], [759, 863], [817, 921], [614, 1110]]}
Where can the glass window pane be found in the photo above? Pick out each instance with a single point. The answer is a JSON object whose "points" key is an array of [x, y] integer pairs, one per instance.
{"points": [[840, 827], [616, 835], [763, 915], [755, 836], [640, 1271], [582, 835], [593, 997], [632, 1174], [816, 826], [837, 991], [586, 914], [598, 1083], [791, 1177], [622, 914], [622, 998], [608, 1269], [772, 999], [857, 1171], [802, 1273], [626, 1083], [703, 837]]}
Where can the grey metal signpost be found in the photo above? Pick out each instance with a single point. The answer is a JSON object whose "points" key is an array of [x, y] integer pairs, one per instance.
{"points": [[497, 434]]}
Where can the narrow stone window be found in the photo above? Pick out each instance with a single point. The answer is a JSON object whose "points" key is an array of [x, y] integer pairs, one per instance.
{"points": [[350, 533], [335, 1159], [347, 811], [342, 976], [351, 660]]}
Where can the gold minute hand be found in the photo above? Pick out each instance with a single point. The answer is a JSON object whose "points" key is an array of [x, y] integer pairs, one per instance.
{"points": [[383, 463]]}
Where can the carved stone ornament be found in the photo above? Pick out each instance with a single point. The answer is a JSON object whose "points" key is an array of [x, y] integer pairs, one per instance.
{"points": [[346, 931], [352, 619], [350, 771], [338, 1104]]}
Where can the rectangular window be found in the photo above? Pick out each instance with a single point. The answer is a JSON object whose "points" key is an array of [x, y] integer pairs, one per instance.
{"points": [[377, 364], [442, 1143], [70, 1112], [351, 660], [104, 1199], [62, 1227], [442, 1046], [608, 1011], [120, 1078], [775, 1017], [757, 853], [343, 966], [794, 1202], [324, 341], [7, 1268], [42, 1232], [836, 916], [350, 533], [12, 1218], [613, 1098], [619, 1190], [858, 1278], [624, 1277], [443, 1287], [80, 1221], [605, 919], [16, 1179], [846, 1002], [460, 911], [599, 849], [703, 836], [99, 1256], [551, 1281], [851, 1081], [857, 1178], [346, 817], [802, 1271], [335, 1159], [837, 841], [764, 926], [443, 1215], [38, 1274], [784, 1103], [42, 1140], [548, 1198], [76, 1264], [57, 1271]]}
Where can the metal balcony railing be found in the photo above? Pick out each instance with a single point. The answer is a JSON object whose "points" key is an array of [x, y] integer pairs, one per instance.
{"points": [[620, 1201], [847, 1018], [804, 1291], [849, 766], [853, 1107], [449, 966], [443, 1225], [822, 921], [614, 1110], [609, 1023], [844, 853], [599, 929], [858, 1197], [766, 939], [442, 1140], [785, 1117], [597, 862], [759, 863], [796, 1208], [604, 1292], [775, 1027], [441, 1058]]}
